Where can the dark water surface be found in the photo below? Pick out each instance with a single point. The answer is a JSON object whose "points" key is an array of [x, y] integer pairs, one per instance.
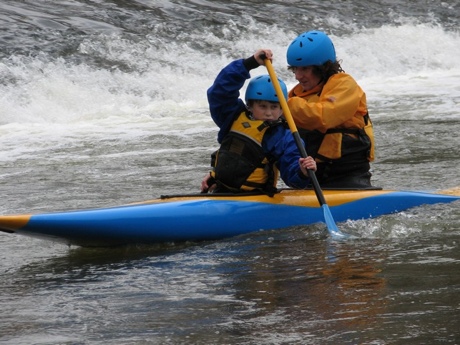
{"points": [[103, 103]]}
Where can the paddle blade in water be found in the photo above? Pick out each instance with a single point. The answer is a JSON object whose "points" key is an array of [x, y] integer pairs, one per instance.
{"points": [[330, 223]]}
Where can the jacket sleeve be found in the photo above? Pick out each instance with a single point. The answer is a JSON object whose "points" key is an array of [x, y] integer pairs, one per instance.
{"points": [[283, 148], [340, 101], [223, 96]]}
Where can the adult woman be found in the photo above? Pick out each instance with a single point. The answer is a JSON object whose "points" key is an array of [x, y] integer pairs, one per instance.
{"points": [[330, 110]]}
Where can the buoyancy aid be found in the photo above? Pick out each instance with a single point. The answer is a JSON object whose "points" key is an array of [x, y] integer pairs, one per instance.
{"points": [[241, 163], [338, 143]]}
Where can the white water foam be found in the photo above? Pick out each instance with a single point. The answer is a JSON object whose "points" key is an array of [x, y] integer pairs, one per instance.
{"points": [[412, 66]]}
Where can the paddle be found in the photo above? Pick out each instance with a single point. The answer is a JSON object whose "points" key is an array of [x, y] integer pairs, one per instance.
{"points": [[330, 223]]}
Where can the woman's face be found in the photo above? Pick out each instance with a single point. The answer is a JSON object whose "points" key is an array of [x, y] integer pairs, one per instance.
{"points": [[306, 77]]}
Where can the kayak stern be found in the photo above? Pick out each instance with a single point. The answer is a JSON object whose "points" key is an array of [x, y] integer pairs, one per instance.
{"points": [[12, 223]]}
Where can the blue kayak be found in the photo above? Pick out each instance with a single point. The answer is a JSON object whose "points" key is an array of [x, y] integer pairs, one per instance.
{"points": [[200, 217]]}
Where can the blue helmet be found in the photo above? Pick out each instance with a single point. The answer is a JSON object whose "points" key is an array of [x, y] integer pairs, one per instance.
{"points": [[262, 89], [309, 49]]}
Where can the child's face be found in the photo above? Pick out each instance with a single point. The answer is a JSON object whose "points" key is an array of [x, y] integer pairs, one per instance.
{"points": [[266, 111]]}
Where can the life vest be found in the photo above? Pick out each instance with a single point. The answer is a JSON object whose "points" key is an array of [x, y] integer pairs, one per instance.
{"points": [[340, 143], [241, 163]]}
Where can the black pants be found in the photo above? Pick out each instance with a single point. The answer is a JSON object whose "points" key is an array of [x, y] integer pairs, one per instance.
{"points": [[352, 175]]}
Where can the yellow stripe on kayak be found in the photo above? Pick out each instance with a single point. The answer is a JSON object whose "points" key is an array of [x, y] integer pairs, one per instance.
{"points": [[13, 223], [291, 197], [333, 197], [451, 191]]}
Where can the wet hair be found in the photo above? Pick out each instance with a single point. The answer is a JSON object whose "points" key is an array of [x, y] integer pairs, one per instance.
{"points": [[326, 70]]}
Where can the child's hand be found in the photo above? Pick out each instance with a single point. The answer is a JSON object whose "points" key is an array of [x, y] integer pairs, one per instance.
{"points": [[207, 184], [307, 164], [262, 54]]}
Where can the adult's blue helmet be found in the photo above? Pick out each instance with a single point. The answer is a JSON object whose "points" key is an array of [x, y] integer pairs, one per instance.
{"points": [[262, 89], [309, 49]]}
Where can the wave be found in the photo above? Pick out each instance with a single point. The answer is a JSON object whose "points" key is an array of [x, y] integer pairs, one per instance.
{"points": [[154, 77]]}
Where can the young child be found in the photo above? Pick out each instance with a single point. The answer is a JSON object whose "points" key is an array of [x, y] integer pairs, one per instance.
{"points": [[256, 143]]}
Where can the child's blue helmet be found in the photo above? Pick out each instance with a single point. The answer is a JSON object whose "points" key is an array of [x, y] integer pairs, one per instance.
{"points": [[312, 48], [261, 88]]}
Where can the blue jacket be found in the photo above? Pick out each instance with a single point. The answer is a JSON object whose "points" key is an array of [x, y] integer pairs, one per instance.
{"points": [[225, 106]]}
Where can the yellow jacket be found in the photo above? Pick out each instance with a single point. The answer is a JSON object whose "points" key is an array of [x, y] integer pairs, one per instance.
{"points": [[338, 104]]}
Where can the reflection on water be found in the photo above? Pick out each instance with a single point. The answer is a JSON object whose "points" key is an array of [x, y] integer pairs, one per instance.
{"points": [[301, 290]]}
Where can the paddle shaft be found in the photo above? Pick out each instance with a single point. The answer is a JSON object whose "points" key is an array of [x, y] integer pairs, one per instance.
{"points": [[294, 131], [330, 222]]}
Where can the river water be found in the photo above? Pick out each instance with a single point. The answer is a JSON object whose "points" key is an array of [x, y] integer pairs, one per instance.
{"points": [[103, 103]]}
